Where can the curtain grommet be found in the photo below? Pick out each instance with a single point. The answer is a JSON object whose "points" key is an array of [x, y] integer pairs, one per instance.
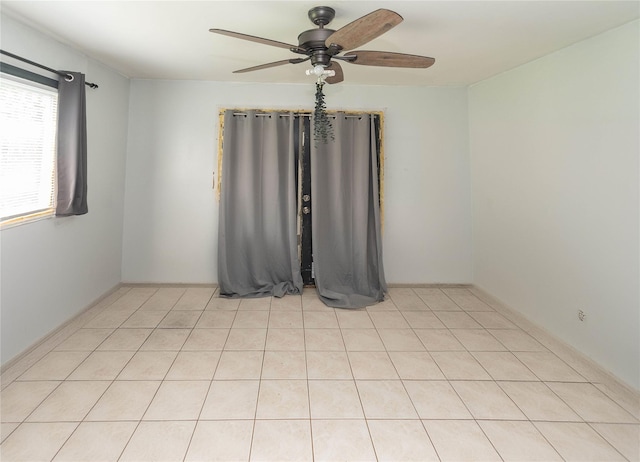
{"points": [[69, 78]]}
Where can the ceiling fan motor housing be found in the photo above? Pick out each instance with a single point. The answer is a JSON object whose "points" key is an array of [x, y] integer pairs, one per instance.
{"points": [[313, 40]]}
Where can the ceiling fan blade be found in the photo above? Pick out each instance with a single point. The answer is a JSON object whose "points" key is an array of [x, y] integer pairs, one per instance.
{"points": [[364, 30], [339, 77], [252, 38], [388, 59], [273, 64]]}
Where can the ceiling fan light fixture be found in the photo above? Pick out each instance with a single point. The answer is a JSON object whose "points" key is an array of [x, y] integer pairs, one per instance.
{"points": [[317, 70], [320, 72]]}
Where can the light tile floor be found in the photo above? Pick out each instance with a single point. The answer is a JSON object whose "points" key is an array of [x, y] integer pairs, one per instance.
{"points": [[164, 374]]}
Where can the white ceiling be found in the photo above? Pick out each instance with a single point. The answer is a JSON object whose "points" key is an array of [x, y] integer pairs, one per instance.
{"points": [[470, 40]]}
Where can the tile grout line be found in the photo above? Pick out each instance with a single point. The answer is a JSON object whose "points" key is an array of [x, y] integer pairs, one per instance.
{"points": [[139, 421], [161, 381], [402, 380], [508, 397], [607, 440], [306, 369], [255, 415], [355, 384], [103, 393], [195, 426], [475, 419]]}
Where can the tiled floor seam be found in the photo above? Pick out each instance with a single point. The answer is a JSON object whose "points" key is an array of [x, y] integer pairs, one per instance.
{"points": [[355, 384]]}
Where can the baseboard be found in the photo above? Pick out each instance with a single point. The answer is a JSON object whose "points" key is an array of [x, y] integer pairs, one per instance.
{"points": [[17, 365], [181, 285], [439, 285], [598, 375]]}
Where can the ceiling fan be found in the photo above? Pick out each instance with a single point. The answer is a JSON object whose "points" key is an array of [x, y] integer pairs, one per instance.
{"points": [[323, 46]]}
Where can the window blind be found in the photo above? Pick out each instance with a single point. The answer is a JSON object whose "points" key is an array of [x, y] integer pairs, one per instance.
{"points": [[28, 117]]}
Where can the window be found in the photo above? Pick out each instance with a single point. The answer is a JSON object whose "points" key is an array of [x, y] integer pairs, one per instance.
{"points": [[28, 117]]}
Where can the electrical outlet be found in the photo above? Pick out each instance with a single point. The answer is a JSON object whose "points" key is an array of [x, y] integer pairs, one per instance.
{"points": [[581, 315]]}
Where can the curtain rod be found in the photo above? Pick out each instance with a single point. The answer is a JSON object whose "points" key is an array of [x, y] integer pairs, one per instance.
{"points": [[300, 114], [61, 74]]}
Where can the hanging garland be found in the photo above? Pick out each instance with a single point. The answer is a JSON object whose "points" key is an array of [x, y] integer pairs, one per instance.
{"points": [[322, 128]]}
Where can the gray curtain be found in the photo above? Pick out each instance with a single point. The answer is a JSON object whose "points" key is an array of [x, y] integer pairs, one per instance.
{"points": [[347, 242], [257, 239], [71, 166]]}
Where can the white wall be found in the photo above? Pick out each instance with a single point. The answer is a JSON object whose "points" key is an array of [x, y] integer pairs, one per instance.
{"points": [[54, 268], [554, 156], [171, 212]]}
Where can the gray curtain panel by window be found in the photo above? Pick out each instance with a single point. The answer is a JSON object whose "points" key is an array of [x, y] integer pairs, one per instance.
{"points": [[257, 237], [71, 165], [347, 241]]}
